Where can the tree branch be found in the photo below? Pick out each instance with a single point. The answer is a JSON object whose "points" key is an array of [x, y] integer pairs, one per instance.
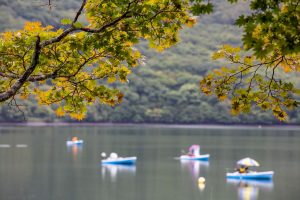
{"points": [[20, 82], [89, 30], [79, 12]]}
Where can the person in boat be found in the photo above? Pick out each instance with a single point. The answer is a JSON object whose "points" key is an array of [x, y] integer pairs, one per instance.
{"points": [[247, 169], [74, 139], [194, 150], [113, 155], [243, 169]]}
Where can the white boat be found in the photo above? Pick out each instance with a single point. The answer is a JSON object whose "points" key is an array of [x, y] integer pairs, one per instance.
{"points": [[251, 175], [194, 154], [120, 161], [204, 157], [76, 142]]}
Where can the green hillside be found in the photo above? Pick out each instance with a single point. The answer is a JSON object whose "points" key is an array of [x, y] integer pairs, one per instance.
{"points": [[166, 88]]}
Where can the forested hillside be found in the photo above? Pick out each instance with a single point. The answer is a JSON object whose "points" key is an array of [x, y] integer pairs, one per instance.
{"points": [[166, 88]]}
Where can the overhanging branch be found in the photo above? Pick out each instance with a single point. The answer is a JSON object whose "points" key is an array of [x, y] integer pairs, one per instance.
{"points": [[20, 82]]}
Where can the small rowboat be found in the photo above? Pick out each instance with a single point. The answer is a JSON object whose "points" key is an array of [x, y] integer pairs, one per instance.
{"points": [[76, 142], [203, 157], [120, 161], [251, 175]]}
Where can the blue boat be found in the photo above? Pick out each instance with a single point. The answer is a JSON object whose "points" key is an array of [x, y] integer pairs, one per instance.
{"points": [[194, 154], [120, 161], [204, 157], [77, 142], [251, 175]]}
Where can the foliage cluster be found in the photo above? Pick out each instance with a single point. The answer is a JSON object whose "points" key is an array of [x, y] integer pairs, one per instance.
{"points": [[77, 59], [272, 34], [165, 90]]}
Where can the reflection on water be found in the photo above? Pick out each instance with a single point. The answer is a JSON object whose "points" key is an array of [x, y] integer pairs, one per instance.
{"points": [[21, 145], [201, 186], [194, 167], [249, 189], [112, 170], [4, 145], [48, 170], [75, 150]]}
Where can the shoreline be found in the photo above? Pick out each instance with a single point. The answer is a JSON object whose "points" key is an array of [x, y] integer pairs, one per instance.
{"points": [[153, 125]]}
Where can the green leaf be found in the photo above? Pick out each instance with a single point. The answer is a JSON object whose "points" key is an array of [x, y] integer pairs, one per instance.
{"points": [[78, 25], [66, 21]]}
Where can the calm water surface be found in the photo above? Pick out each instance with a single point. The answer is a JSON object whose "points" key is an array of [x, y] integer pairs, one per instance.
{"points": [[46, 169]]}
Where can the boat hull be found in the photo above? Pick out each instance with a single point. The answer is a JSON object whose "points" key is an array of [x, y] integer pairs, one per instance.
{"points": [[251, 175], [204, 157], [120, 161], [78, 142]]}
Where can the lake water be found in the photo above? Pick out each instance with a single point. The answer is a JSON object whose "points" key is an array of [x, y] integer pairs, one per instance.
{"points": [[36, 164]]}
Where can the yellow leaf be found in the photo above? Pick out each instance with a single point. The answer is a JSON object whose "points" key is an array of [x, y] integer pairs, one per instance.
{"points": [[128, 44], [206, 90], [60, 112], [248, 60], [218, 72], [266, 40], [120, 97], [281, 115], [190, 22], [230, 49], [49, 27], [234, 111], [284, 9], [257, 31], [42, 82], [32, 26], [287, 69], [222, 97], [218, 54], [152, 2], [137, 54], [78, 116], [111, 79], [24, 96], [159, 48], [7, 35]]}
